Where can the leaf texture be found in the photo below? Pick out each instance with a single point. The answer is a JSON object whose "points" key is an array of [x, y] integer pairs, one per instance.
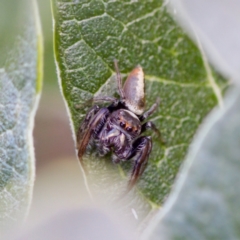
{"points": [[20, 86], [205, 202], [89, 35]]}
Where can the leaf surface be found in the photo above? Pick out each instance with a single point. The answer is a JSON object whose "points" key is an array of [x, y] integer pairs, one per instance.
{"points": [[89, 35], [206, 200], [20, 86]]}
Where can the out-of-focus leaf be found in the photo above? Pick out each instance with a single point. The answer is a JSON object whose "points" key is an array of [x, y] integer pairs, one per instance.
{"points": [[20, 86], [87, 224], [206, 200], [89, 35], [217, 26]]}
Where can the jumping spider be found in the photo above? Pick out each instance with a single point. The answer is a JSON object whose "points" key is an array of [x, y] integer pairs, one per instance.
{"points": [[118, 127]]}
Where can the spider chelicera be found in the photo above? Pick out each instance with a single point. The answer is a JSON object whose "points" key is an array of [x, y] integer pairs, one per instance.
{"points": [[118, 127]]}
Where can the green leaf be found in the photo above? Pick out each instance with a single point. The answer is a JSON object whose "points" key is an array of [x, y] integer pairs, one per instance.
{"points": [[206, 200], [89, 35], [20, 86]]}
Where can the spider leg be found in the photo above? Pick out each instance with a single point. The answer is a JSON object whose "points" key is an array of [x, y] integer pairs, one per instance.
{"points": [[85, 123], [151, 125], [90, 101], [115, 159], [119, 80], [104, 99], [113, 100], [150, 111], [141, 149], [92, 125]]}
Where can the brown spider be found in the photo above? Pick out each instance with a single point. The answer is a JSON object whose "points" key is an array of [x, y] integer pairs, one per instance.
{"points": [[118, 127]]}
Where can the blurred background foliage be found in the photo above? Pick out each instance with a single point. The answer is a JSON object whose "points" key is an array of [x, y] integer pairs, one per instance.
{"points": [[56, 166], [58, 182], [52, 133]]}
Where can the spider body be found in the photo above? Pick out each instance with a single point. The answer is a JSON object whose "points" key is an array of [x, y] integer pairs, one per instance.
{"points": [[120, 129], [119, 126]]}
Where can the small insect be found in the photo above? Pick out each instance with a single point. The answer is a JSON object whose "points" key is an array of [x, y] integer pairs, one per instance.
{"points": [[118, 127]]}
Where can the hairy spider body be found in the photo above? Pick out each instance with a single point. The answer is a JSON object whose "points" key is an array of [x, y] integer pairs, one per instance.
{"points": [[118, 127]]}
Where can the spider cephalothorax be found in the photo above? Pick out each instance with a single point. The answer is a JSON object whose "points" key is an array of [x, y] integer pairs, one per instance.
{"points": [[118, 127]]}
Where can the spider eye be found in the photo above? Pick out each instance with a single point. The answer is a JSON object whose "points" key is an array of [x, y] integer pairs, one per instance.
{"points": [[122, 124], [136, 130], [129, 129]]}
